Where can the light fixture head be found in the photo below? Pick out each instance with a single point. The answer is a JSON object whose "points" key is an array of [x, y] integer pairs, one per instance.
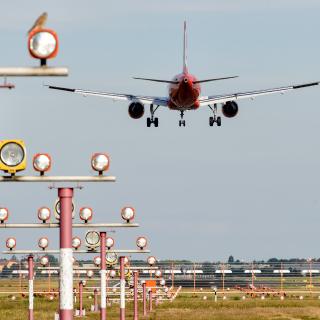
{"points": [[111, 258], [162, 282], [43, 43], [141, 242], [158, 273], [90, 273], [85, 214], [127, 213], [76, 243], [112, 273], [92, 239], [44, 261], [42, 163], [12, 156], [151, 260], [44, 214], [109, 242], [4, 214], [43, 243], [11, 243], [57, 209], [100, 162], [97, 261]]}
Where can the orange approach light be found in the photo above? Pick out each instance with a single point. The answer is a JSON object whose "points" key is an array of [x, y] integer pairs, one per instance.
{"points": [[43, 44]]}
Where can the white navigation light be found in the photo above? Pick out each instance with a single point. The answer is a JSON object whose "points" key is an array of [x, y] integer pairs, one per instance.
{"points": [[97, 260], [100, 162], [43, 243], [4, 214], [127, 213], [109, 242], [76, 243], [111, 258], [44, 214], [141, 242], [158, 273], [92, 239], [89, 273], [11, 243], [44, 260], [85, 214], [112, 273], [42, 162], [43, 44], [151, 260]]}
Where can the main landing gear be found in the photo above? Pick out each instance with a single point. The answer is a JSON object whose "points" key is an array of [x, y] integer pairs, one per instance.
{"points": [[152, 119], [214, 119], [182, 122]]}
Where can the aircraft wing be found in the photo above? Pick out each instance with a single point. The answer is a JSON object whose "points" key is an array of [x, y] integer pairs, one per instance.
{"points": [[159, 101], [204, 101]]}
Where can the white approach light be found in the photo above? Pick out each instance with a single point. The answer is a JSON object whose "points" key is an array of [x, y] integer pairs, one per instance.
{"points": [[112, 273], [97, 261], [127, 213], [44, 260], [141, 242], [109, 242], [44, 214], [92, 239], [162, 282], [158, 273], [43, 243], [100, 162], [4, 215], [89, 273], [42, 163], [57, 209], [85, 214], [151, 260], [76, 243], [43, 45], [111, 258], [11, 243]]}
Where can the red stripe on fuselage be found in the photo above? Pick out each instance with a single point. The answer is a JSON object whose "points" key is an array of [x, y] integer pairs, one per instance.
{"points": [[185, 94]]}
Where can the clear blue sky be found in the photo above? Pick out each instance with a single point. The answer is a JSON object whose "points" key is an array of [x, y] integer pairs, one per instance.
{"points": [[249, 188]]}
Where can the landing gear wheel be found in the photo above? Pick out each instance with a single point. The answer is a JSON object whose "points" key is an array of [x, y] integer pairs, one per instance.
{"points": [[149, 122], [219, 121], [211, 121], [156, 122]]}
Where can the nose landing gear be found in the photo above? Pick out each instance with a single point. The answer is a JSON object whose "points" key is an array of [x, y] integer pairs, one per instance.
{"points": [[215, 118], [182, 122]]}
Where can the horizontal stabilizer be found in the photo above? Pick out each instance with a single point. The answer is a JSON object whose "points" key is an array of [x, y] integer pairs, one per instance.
{"points": [[157, 80], [215, 79]]}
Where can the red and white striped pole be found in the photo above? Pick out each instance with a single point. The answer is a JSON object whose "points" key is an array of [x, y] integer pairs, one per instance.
{"points": [[95, 299], [122, 290], [135, 295], [80, 298], [66, 268], [103, 289], [30, 277], [144, 298], [150, 300]]}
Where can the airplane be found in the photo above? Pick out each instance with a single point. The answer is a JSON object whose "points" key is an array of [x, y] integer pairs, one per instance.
{"points": [[7, 85], [184, 95]]}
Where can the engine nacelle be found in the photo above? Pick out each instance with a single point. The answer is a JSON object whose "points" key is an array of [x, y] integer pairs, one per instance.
{"points": [[136, 110], [230, 109]]}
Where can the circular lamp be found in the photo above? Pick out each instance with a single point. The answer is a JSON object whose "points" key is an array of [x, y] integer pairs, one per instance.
{"points": [[111, 258], [41, 163], [85, 214], [76, 243], [89, 273], [141, 242], [11, 243], [100, 162], [109, 242], [12, 156], [92, 239], [4, 214], [44, 214], [158, 273], [112, 273], [43, 243], [162, 282], [151, 260], [97, 260], [44, 260], [57, 209], [127, 213]]}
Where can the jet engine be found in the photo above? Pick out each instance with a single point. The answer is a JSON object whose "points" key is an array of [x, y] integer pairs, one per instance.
{"points": [[230, 109], [136, 110]]}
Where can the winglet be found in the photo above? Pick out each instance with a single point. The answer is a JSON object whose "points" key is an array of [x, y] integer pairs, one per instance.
{"points": [[185, 67]]}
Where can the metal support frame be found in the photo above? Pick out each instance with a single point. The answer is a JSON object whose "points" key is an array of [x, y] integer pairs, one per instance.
{"points": [[30, 277], [43, 71], [81, 299], [103, 290], [75, 179], [150, 299], [95, 300], [74, 225], [74, 251], [122, 290], [135, 295], [144, 298]]}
